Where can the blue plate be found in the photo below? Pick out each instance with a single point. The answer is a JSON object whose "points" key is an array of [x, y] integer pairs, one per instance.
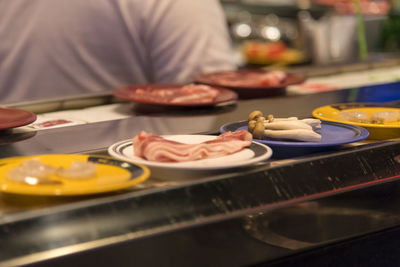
{"points": [[334, 134]]}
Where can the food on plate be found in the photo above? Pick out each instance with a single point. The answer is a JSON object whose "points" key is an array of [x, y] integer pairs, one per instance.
{"points": [[256, 52], [385, 116], [78, 169], [295, 134], [250, 79], [50, 123], [354, 116], [261, 52], [35, 170], [31, 168], [156, 148], [192, 93], [378, 117], [290, 128]]}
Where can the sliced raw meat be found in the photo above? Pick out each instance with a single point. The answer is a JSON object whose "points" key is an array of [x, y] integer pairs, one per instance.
{"points": [[156, 148], [250, 79], [191, 93]]}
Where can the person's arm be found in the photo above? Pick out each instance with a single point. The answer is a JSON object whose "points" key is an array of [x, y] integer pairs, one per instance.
{"points": [[185, 38]]}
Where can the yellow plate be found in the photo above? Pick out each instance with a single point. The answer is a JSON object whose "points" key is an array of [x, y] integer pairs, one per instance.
{"points": [[377, 131], [111, 175]]}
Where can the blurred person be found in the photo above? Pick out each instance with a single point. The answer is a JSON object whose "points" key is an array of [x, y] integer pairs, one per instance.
{"points": [[58, 48]]}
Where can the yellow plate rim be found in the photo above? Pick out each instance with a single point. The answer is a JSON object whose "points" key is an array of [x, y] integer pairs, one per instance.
{"points": [[366, 125]]}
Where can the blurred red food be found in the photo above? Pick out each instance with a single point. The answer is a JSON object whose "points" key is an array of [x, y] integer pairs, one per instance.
{"points": [[348, 6]]}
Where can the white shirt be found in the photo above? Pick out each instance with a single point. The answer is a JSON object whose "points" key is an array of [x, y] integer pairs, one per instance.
{"points": [[56, 48]]}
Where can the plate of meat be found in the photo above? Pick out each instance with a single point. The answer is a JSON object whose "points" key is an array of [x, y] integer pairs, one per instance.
{"points": [[251, 83], [12, 117], [176, 94], [191, 152]]}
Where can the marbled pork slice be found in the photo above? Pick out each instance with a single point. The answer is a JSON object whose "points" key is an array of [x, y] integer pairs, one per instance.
{"points": [[155, 148]]}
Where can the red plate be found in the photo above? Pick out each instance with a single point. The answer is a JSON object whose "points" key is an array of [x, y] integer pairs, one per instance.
{"points": [[152, 94], [11, 118], [248, 91]]}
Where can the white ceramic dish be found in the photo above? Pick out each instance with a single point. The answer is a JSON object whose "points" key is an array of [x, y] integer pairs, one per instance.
{"points": [[257, 152]]}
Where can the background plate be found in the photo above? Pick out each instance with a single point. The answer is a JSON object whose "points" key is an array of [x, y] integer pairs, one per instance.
{"points": [[129, 93], [250, 91], [12, 117], [111, 175], [333, 135], [377, 131]]}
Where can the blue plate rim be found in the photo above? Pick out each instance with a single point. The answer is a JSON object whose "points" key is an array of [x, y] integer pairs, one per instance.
{"points": [[363, 134]]}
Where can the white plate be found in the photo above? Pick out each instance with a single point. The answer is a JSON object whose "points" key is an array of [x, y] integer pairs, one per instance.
{"points": [[257, 152]]}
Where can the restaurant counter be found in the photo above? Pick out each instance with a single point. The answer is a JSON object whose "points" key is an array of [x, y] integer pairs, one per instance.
{"points": [[332, 207]]}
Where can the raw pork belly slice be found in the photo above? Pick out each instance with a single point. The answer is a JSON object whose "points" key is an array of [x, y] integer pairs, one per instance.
{"points": [[256, 79], [191, 93], [155, 148], [196, 93]]}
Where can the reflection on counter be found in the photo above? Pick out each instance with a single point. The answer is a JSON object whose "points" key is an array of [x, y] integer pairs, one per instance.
{"points": [[13, 136], [311, 224]]}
